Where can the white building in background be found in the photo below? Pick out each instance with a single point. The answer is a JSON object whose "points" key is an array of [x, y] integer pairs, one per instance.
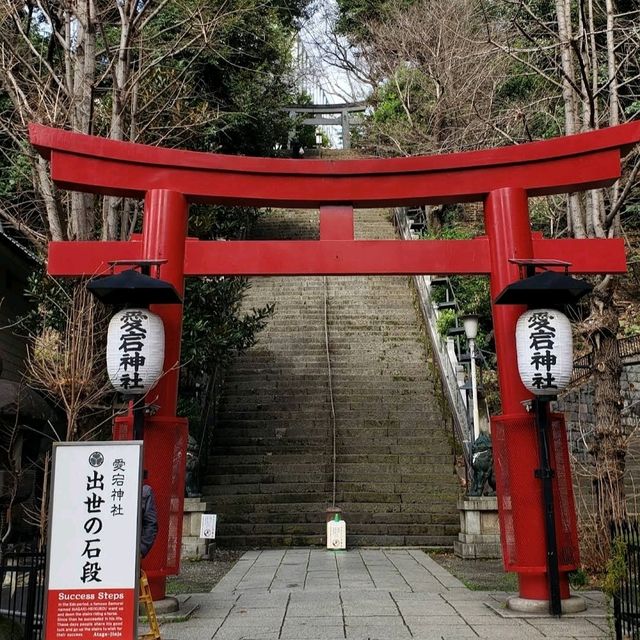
{"points": [[318, 57], [308, 73]]}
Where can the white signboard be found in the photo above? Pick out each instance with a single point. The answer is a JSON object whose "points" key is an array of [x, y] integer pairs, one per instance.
{"points": [[93, 551], [208, 525]]}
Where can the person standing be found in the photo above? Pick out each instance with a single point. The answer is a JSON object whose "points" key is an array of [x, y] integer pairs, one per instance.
{"points": [[149, 527]]}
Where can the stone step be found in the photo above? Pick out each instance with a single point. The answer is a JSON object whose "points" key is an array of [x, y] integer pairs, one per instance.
{"points": [[435, 463], [281, 459], [258, 446], [251, 446], [273, 485], [350, 414], [373, 499], [258, 479], [254, 500], [382, 463], [227, 529], [402, 522], [262, 467], [261, 541], [388, 393], [383, 437], [295, 383], [290, 488], [409, 424], [314, 511]]}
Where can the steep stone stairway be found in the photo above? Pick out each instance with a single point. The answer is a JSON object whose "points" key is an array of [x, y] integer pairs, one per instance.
{"points": [[271, 474]]}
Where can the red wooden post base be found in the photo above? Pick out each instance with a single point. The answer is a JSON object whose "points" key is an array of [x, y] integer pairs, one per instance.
{"points": [[502, 178]]}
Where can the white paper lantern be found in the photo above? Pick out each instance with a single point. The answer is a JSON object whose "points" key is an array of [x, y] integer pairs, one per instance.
{"points": [[135, 350], [545, 351]]}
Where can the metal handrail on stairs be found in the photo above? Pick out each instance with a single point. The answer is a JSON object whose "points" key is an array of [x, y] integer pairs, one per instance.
{"points": [[444, 353]]}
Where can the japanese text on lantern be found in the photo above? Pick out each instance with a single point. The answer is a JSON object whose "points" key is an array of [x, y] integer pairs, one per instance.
{"points": [[543, 359], [133, 334]]}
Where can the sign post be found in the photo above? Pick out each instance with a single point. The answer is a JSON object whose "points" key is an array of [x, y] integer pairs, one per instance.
{"points": [[93, 548]]}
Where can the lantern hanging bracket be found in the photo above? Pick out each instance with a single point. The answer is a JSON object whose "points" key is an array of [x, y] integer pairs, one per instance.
{"points": [[144, 265], [528, 266]]}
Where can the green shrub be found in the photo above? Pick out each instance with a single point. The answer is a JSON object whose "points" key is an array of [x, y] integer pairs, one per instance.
{"points": [[446, 320]]}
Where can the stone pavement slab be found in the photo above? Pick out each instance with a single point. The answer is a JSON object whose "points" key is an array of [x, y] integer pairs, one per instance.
{"points": [[364, 594]]}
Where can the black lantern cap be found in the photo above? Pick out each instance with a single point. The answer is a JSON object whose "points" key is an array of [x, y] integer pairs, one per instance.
{"points": [[133, 287], [546, 289]]}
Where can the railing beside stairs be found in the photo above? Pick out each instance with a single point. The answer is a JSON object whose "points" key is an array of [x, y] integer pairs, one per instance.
{"points": [[444, 355]]}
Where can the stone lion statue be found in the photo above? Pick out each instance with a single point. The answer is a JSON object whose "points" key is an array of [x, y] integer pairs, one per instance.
{"points": [[191, 485], [482, 464]]}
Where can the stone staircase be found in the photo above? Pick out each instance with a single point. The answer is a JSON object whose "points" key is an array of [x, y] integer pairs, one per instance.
{"points": [[270, 475]]}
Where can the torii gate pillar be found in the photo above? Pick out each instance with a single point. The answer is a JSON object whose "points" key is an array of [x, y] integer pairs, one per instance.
{"points": [[507, 216], [163, 232], [346, 131], [506, 213], [503, 179]]}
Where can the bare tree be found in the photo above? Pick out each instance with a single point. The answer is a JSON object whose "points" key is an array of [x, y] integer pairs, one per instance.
{"points": [[68, 365], [123, 70], [436, 78]]}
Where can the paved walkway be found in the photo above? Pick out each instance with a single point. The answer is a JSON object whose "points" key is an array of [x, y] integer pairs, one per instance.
{"points": [[381, 594]]}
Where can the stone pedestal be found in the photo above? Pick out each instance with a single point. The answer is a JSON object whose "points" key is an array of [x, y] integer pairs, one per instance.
{"points": [[193, 546], [479, 535], [573, 604]]}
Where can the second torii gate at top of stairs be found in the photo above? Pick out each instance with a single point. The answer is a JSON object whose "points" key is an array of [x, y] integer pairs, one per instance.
{"points": [[313, 116], [503, 179]]}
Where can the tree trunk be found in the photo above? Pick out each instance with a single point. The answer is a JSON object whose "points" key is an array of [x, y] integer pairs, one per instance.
{"points": [[81, 224], [614, 106], [46, 189], [112, 205], [608, 446], [576, 213]]}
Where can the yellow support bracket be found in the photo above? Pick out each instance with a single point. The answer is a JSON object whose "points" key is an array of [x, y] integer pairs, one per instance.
{"points": [[147, 600]]}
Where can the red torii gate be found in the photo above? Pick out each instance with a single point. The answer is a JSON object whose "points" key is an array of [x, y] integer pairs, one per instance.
{"points": [[503, 179]]}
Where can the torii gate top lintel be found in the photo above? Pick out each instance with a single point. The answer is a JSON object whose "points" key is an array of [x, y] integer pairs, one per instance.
{"points": [[327, 108], [88, 163]]}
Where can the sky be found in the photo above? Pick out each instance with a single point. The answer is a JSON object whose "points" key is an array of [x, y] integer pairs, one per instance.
{"points": [[323, 51]]}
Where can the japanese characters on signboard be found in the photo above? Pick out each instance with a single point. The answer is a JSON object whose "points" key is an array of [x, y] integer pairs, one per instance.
{"points": [[545, 351], [93, 552], [135, 350]]}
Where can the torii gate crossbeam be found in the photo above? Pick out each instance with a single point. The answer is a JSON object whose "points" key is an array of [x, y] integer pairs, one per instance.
{"points": [[503, 179]]}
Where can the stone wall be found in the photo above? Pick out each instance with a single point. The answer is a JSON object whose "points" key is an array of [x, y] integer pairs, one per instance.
{"points": [[577, 405]]}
